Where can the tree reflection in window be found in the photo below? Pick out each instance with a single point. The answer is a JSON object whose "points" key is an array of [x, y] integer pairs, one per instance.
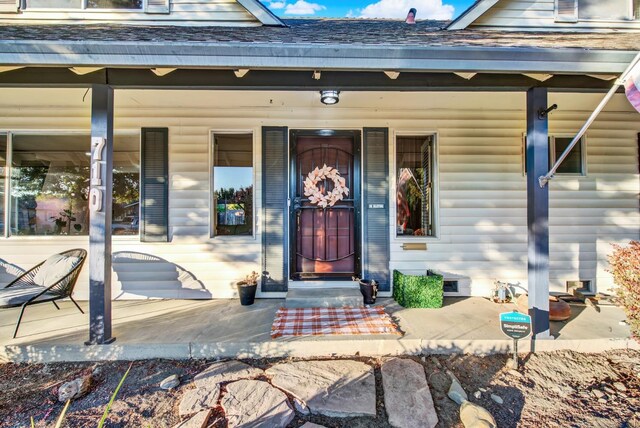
{"points": [[50, 185]]}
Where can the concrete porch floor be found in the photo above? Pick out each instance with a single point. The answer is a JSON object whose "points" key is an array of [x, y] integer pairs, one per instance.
{"points": [[224, 328]]}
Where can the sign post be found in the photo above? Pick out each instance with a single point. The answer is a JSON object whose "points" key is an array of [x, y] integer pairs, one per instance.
{"points": [[516, 326]]}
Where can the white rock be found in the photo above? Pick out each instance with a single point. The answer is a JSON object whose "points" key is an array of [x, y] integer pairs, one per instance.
{"points": [[301, 407], [74, 389], [197, 400], [619, 386], [497, 398], [170, 382], [197, 421], [474, 416], [597, 393], [312, 425], [477, 394], [456, 391], [254, 403], [225, 371], [406, 394], [336, 388]]}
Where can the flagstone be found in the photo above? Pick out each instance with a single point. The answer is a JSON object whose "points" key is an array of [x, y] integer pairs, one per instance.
{"points": [[225, 371], [199, 420], [336, 388], [406, 394], [255, 403], [197, 400]]}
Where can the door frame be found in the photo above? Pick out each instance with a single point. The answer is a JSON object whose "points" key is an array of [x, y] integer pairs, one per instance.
{"points": [[356, 136]]}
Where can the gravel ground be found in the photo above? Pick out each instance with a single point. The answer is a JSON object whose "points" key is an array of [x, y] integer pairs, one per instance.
{"points": [[551, 389]]}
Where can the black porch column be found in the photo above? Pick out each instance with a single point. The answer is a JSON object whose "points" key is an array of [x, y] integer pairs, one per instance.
{"points": [[537, 159], [100, 201]]}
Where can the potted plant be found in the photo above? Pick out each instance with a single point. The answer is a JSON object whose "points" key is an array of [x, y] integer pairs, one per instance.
{"points": [[247, 289], [369, 290]]}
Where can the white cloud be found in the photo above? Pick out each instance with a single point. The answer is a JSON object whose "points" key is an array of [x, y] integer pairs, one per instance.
{"points": [[301, 7], [277, 4], [427, 9], [352, 13]]}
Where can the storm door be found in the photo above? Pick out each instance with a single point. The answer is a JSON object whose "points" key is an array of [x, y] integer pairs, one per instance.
{"points": [[325, 204]]}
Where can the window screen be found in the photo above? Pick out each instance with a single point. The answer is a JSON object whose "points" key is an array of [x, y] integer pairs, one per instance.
{"points": [[609, 9]]}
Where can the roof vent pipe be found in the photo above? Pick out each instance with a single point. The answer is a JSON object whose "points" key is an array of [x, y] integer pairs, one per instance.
{"points": [[411, 16]]}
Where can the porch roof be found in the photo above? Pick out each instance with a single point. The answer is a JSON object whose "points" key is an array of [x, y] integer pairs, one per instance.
{"points": [[328, 44]]}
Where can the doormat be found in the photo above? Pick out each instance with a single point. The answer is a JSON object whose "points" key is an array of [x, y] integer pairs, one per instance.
{"points": [[332, 321]]}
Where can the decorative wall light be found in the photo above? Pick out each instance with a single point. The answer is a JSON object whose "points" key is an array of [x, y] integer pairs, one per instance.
{"points": [[329, 97]]}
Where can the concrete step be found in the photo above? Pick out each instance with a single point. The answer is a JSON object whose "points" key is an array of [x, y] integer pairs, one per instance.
{"points": [[323, 298]]}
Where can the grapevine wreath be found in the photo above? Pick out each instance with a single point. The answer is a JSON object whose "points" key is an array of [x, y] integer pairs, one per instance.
{"points": [[311, 190]]}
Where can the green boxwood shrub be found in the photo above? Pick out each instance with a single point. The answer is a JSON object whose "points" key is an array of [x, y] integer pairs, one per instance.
{"points": [[418, 291]]}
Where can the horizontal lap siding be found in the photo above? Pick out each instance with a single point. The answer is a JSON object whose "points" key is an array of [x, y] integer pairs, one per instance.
{"points": [[537, 14], [482, 191], [183, 12]]}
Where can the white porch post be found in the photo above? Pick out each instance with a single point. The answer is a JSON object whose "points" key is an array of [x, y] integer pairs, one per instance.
{"points": [[537, 159], [100, 202]]}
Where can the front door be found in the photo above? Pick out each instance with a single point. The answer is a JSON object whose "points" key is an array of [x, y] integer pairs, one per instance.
{"points": [[325, 204]]}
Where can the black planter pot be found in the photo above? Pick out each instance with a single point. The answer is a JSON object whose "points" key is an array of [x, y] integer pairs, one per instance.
{"points": [[247, 293], [369, 290]]}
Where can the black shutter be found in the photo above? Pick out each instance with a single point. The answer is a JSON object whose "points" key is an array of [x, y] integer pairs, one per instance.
{"points": [[154, 188], [376, 206], [274, 208]]}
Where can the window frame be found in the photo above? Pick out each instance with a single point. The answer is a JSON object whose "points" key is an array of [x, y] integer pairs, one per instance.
{"points": [[393, 186], [212, 209], [6, 233], [576, 17], [83, 8], [552, 155]]}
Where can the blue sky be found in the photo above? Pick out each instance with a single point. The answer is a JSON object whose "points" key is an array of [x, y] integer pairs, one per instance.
{"points": [[427, 9]]}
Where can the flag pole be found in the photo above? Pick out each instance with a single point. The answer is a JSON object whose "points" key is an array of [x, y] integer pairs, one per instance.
{"points": [[544, 180]]}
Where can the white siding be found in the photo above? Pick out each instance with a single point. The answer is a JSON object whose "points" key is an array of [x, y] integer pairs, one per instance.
{"points": [[183, 12], [482, 190], [539, 15]]}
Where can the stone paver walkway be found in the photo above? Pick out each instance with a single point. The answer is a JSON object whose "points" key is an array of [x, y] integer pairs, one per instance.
{"points": [[252, 397]]}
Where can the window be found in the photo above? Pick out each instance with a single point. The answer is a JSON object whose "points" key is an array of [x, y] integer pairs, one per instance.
{"points": [[415, 164], [232, 184], [574, 163], [84, 4], [610, 9], [50, 184]]}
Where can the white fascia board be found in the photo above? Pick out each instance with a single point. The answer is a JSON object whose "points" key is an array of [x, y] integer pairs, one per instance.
{"points": [[470, 15], [261, 12], [313, 57]]}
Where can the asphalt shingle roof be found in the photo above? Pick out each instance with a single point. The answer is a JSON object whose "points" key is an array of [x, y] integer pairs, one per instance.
{"points": [[327, 31]]}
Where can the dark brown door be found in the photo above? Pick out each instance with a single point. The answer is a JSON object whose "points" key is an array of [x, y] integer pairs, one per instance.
{"points": [[324, 227]]}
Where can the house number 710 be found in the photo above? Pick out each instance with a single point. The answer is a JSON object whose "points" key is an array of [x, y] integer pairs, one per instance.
{"points": [[96, 196]]}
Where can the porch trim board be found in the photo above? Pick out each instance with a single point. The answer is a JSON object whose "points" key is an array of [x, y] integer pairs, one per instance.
{"points": [[296, 56]]}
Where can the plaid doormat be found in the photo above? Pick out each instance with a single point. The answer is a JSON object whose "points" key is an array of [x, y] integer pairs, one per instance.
{"points": [[332, 321]]}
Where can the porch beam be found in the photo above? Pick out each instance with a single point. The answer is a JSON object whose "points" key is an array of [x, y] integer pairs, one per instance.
{"points": [[304, 80], [537, 162], [100, 203]]}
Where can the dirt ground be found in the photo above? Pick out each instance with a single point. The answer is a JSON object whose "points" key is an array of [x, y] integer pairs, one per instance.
{"points": [[550, 390]]}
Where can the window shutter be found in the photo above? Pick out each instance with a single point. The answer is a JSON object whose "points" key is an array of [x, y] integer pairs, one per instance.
{"points": [[636, 9], [154, 189], [567, 10], [9, 6], [275, 209], [157, 6], [375, 161]]}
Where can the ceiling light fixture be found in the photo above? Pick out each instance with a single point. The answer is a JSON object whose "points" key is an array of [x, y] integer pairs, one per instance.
{"points": [[329, 97]]}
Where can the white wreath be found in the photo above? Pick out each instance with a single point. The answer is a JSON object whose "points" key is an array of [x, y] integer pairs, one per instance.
{"points": [[340, 190]]}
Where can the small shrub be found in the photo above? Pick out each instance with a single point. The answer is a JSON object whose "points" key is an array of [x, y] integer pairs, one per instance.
{"points": [[418, 291], [625, 268]]}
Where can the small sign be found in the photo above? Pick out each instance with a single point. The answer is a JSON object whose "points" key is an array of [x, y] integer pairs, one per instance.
{"points": [[376, 206], [515, 325]]}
